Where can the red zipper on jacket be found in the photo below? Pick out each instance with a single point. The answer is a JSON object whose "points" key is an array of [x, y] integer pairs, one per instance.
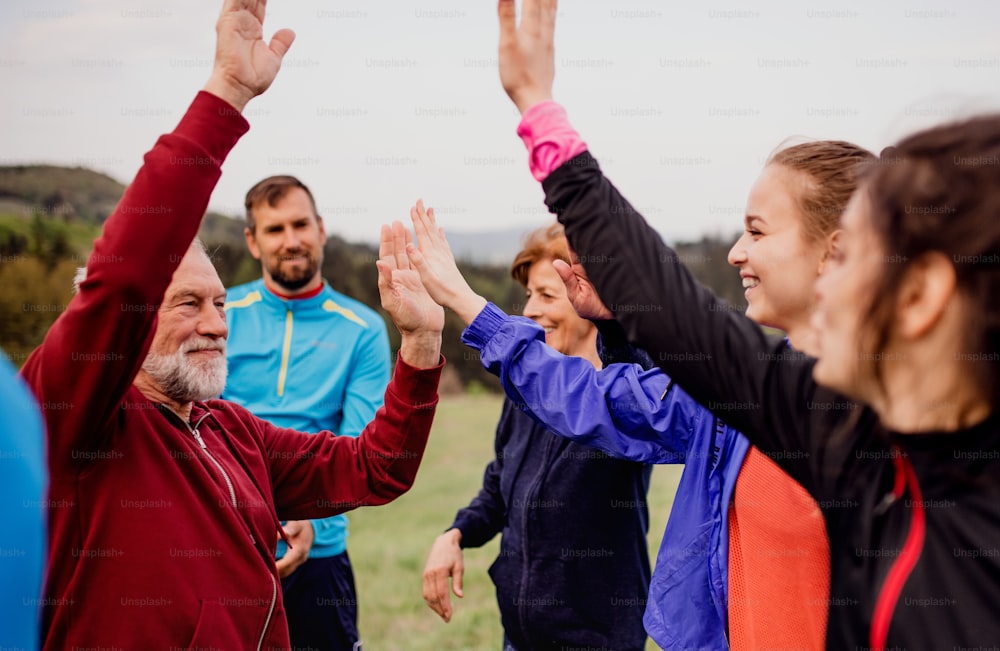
{"points": [[900, 571]]}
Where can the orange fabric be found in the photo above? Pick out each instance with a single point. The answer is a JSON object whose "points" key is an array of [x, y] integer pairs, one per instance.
{"points": [[779, 562]]}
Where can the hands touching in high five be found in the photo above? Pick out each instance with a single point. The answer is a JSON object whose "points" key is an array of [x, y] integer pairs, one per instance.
{"points": [[431, 256], [433, 260], [418, 317]]}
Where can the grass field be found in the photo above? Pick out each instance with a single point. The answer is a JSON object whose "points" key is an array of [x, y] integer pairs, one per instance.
{"points": [[389, 544]]}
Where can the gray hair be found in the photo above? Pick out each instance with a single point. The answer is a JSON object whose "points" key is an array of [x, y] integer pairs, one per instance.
{"points": [[81, 272]]}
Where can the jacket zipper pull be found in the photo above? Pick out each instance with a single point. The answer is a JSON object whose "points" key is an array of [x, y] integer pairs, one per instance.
{"points": [[887, 500], [899, 482], [201, 442]]}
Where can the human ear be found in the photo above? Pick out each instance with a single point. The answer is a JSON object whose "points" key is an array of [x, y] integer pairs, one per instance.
{"points": [[831, 243], [927, 291], [322, 229], [252, 243]]}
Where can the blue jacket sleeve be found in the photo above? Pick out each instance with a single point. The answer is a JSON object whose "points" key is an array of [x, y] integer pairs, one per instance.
{"points": [[627, 412]]}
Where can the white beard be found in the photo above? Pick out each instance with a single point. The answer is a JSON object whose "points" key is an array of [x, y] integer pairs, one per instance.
{"points": [[183, 380]]}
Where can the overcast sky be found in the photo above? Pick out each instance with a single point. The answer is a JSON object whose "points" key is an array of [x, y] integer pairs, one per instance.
{"points": [[381, 102]]}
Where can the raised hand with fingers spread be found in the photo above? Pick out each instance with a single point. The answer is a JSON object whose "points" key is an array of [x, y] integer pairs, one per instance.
{"points": [[432, 257], [527, 54], [245, 65]]}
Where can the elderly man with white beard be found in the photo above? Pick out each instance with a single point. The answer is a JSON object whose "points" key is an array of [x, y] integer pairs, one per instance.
{"points": [[164, 502], [196, 370]]}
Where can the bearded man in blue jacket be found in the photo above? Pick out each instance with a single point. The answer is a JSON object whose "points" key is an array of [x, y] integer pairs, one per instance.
{"points": [[305, 356]]}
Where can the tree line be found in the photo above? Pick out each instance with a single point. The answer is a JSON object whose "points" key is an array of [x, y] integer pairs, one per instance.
{"points": [[47, 229]]}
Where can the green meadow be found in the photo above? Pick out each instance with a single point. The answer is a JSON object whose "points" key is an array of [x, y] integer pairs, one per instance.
{"points": [[389, 544]]}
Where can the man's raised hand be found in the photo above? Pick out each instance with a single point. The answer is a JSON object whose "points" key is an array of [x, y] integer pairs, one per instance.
{"points": [[244, 64], [419, 319]]}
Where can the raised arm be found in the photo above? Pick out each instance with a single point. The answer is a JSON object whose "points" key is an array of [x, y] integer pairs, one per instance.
{"points": [[724, 360], [93, 352], [622, 410], [323, 475], [627, 412], [319, 475], [718, 356]]}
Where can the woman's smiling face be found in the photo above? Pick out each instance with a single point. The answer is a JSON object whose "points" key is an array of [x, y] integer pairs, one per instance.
{"points": [[777, 262], [549, 307]]}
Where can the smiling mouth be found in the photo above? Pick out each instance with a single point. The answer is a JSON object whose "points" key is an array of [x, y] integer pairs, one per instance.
{"points": [[750, 283]]}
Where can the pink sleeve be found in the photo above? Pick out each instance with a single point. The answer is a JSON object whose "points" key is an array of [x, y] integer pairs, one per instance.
{"points": [[550, 138]]}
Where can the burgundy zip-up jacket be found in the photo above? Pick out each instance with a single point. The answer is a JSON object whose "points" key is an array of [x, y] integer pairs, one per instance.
{"points": [[162, 533]]}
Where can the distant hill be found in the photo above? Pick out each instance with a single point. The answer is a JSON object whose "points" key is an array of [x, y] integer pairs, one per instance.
{"points": [[70, 193], [487, 247], [80, 196], [706, 258], [50, 216]]}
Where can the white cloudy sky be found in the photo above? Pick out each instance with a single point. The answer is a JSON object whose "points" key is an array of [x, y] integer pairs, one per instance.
{"points": [[382, 102]]}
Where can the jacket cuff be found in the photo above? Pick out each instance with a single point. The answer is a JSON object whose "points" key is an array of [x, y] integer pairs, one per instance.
{"points": [[483, 328], [416, 386], [214, 125], [550, 138], [462, 525]]}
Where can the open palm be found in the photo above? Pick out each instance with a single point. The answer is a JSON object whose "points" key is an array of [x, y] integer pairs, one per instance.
{"points": [[245, 65], [403, 294]]}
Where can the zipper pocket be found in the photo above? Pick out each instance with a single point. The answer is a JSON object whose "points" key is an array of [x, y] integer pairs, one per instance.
{"points": [[270, 612]]}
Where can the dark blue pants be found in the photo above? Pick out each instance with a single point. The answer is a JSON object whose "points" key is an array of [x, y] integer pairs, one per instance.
{"points": [[321, 604]]}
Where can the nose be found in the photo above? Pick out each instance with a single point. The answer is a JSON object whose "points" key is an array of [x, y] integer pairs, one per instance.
{"points": [[212, 321], [738, 254], [533, 308], [292, 239]]}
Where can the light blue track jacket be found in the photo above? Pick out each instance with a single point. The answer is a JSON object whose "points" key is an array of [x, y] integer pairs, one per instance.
{"points": [[311, 364], [23, 479], [640, 416]]}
